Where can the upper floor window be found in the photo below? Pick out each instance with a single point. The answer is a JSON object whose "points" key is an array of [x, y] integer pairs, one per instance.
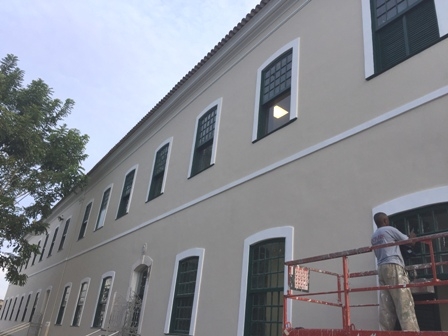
{"points": [[157, 184], [64, 234], [63, 305], [50, 251], [125, 199], [35, 254], [27, 262], [85, 220], [277, 85], [205, 143], [103, 209], [395, 30], [184, 297], [43, 248]]}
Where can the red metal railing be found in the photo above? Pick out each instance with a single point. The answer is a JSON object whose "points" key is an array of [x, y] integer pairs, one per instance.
{"points": [[344, 290]]}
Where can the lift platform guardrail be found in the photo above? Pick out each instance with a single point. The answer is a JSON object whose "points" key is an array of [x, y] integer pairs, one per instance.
{"points": [[298, 280]]}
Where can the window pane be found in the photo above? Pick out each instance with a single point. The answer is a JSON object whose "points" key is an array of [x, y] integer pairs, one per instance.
{"points": [[427, 222], [277, 77], [278, 114], [441, 218]]}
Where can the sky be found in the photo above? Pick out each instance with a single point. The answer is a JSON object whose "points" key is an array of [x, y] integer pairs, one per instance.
{"points": [[115, 58]]}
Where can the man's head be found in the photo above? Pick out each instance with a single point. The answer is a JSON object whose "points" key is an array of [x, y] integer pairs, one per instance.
{"points": [[381, 219]]}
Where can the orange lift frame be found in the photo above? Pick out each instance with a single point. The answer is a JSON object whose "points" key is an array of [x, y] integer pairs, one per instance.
{"points": [[298, 276]]}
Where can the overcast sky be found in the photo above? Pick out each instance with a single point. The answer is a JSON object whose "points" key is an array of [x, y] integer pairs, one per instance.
{"points": [[115, 58]]}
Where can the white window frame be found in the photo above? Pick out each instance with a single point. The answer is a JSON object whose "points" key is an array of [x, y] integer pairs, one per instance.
{"points": [[218, 104], [53, 241], [69, 220], [369, 68], [99, 224], [194, 252], [165, 173], [132, 191], [293, 114], [105, 275], [286, 232], [35, 254], [77, 299]]}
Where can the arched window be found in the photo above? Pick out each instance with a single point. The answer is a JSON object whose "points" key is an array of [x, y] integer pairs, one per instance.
{"points": [[263, 282], [80, 302], [103, 299]]}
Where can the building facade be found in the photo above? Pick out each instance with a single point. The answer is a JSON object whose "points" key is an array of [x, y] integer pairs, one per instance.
{"points": [[307, 118]]}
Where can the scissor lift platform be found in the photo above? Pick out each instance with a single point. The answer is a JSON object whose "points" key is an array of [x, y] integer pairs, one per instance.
{"points": [[298, 280]]}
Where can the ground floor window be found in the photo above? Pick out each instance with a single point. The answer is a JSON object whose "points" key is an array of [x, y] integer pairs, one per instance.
{"points": [[63, 305], [426, 220], [80, 303], [33, 310], [184, 296], [138, 298], [102, 302], [265, 286]]}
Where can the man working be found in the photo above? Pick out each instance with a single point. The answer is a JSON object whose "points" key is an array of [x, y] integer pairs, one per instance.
{"points": [[394, 303]]}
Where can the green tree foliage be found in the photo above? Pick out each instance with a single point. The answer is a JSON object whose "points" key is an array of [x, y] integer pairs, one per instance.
{"points": [[40, 163]]}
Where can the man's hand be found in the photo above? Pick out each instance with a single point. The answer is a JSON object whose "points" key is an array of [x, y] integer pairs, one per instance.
{"points": [[412, 235]]}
